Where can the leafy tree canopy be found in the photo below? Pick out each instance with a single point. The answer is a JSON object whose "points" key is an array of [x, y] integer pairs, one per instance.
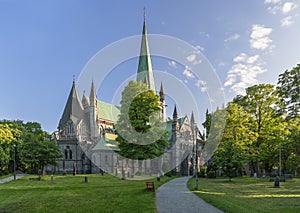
{"points": [[140, 132]]}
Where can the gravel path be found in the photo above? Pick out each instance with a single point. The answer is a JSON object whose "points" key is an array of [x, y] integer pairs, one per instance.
{"points": [[174, 197], [4, 180]]}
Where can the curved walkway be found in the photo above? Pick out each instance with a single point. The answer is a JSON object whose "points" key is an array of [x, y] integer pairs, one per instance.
{"points": [[4, 180], [174, 197]]}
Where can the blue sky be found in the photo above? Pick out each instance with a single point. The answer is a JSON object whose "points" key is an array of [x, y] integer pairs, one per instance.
{"points": [[44, 43]]}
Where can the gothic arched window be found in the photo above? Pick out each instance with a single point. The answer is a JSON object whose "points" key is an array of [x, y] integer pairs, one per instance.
{"points": [[70, 154], [66, 154]]}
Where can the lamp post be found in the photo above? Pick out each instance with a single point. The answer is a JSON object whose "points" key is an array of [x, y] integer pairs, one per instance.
{"points": [[196, 170], [14, 161], [196, 152], [76, 156], [280, 161]]}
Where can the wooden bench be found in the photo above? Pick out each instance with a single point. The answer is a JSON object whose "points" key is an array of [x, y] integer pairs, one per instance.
{"points": [[38, 178], [150, 186]]}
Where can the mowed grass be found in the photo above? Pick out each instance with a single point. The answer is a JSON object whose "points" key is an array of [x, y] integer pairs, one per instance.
{"points": [[249, 194], [71, 194]]}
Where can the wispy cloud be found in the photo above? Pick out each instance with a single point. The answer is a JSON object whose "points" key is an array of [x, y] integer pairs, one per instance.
{"points": [[274, 9], [204, 34], [192, 58], [243, 73], [202, 85], [187, 73], [172, 64], [198, 47], [277, 6], [222, 64], [272, 1], [232, 37], [288, 7], [287, 21], [259, 37], [240, 58]]}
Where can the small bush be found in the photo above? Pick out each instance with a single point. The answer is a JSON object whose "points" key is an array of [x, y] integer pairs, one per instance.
{"points": [[202, 172], [168, 174], [138, 173], [211, 174]]}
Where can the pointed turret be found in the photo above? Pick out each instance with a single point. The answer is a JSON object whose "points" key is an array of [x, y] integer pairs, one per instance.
{"points": [[175, 124], [175, 114], [94, 131], [85, 101], [192, 118], [163, 115], [193, 123], [162, 93], [145, 63], [175, 128], [93, 98], [73, 110]]}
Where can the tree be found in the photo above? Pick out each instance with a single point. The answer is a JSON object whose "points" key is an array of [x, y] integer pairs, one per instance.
{"points": [[288, 88], [260, 102], [10, 135], [238, 136], [140, 133], [6, 138], [207, 123], [37, 149]]}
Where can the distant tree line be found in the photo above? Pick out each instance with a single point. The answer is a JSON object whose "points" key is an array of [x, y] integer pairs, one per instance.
{"points": [[33, 147], [262, 130]]}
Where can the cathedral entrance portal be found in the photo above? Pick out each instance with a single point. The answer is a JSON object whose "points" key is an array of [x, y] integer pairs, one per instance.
{"points": [[184, 166]]}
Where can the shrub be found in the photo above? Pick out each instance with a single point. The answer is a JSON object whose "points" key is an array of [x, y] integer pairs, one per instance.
{"points": [[168, 174], [201, 172], [211, 174]]}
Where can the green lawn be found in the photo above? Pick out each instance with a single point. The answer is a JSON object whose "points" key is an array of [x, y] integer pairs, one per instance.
{"points": [[6, 176], [249, 194], [70, 194]]}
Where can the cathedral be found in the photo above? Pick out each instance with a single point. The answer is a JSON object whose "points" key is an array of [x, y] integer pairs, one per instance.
{"points": [[86, 132]]}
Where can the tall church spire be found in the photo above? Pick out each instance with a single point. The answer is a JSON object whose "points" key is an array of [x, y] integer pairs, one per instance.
{"points": [[145, 64]]}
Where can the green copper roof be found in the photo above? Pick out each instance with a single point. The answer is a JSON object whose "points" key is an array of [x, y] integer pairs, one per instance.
{"points": [[106, 145], [108, 111], [145, 72]]}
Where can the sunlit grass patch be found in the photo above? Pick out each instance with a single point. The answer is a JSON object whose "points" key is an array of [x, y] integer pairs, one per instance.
{"points": [[249, 194], [71, 194]]}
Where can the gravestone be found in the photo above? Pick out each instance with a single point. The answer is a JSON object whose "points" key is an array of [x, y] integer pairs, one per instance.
{"points": [[276, 182]]}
